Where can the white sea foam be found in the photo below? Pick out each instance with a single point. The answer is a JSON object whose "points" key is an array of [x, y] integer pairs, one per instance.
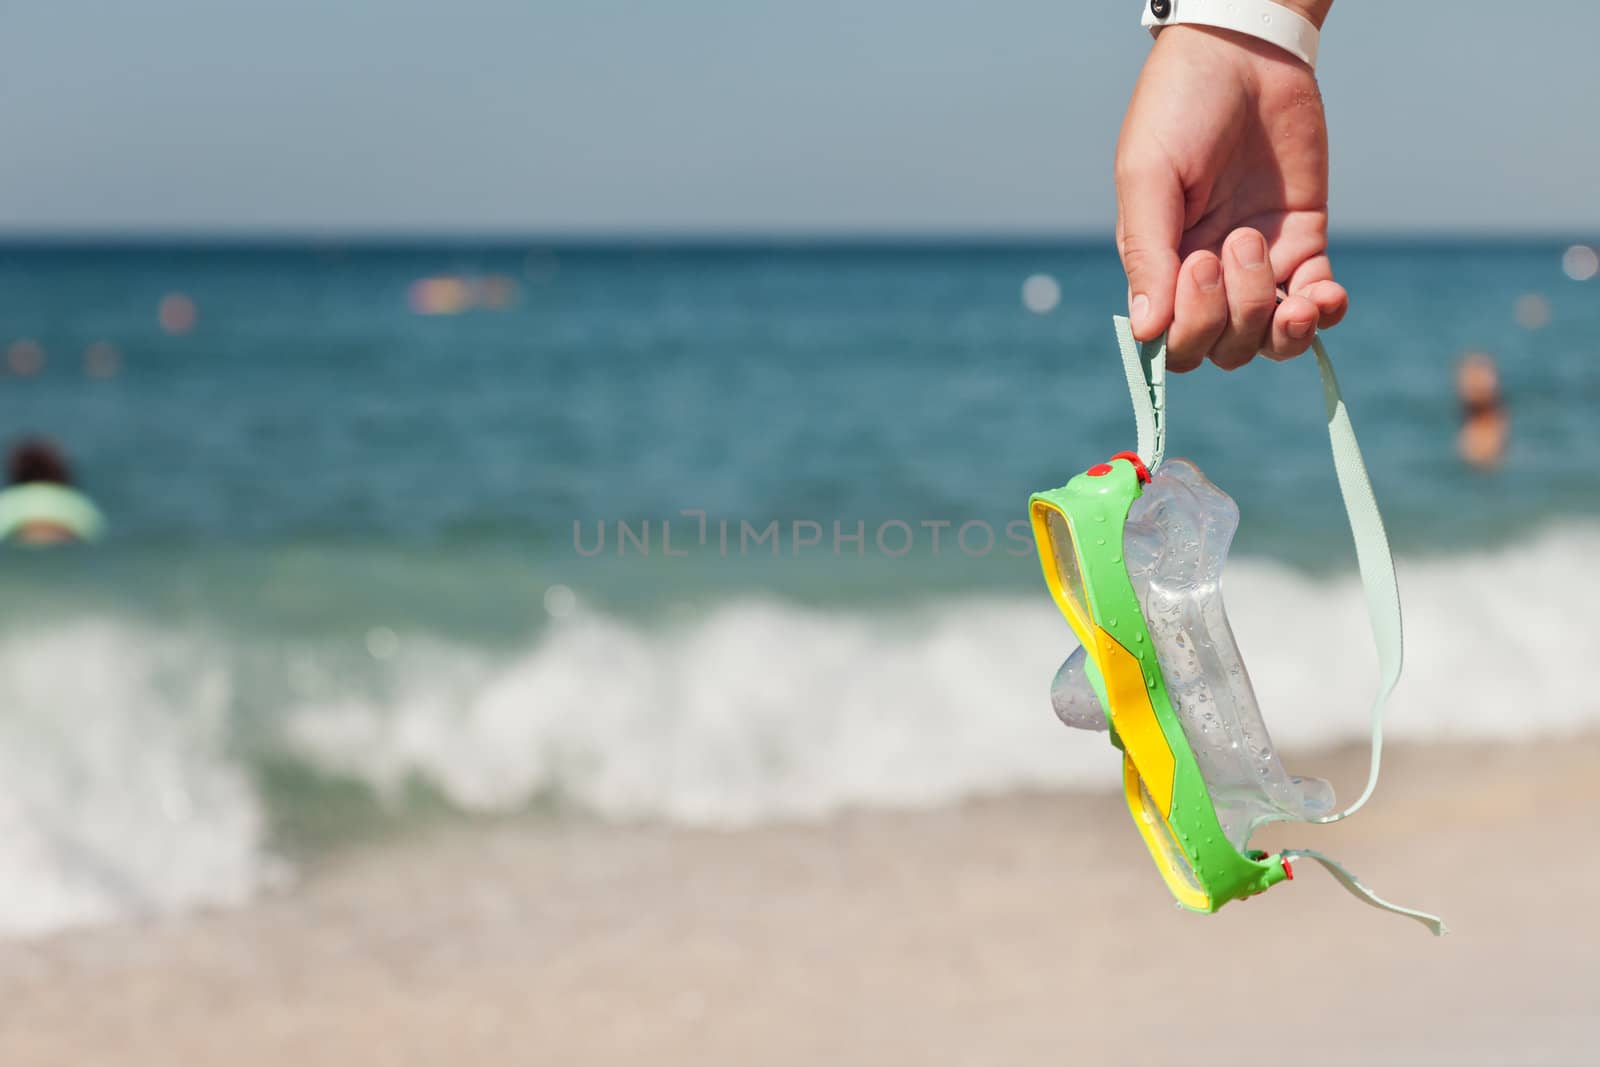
{"points": [[761, 710], [116, 798], [126, 790], [755, 711]]}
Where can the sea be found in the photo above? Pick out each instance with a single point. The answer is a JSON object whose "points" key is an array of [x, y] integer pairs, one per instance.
{"points": [[708, 534]]}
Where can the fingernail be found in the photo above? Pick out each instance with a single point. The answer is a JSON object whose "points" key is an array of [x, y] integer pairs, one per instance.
{"points": [[1251, 251], [1139, 308], [1208, 274], [1300, 330]]}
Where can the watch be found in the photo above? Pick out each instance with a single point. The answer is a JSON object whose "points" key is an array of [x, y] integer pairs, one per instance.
{"points": [[1270, 22]]}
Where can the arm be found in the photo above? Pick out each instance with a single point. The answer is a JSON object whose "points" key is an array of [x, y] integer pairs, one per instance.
{"points": [[1222, 197]]}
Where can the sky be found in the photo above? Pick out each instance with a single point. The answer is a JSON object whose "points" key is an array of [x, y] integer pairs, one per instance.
{"points": [[735, 116]]}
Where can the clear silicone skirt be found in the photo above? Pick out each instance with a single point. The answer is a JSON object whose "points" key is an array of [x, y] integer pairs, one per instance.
{"points": [[1176, 544]]}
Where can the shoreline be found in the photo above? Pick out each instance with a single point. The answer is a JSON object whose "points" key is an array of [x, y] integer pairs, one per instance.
{"points": [[993, 932]]}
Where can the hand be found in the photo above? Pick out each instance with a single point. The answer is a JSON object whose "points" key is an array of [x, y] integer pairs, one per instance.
{"points": [[1223, 161]]}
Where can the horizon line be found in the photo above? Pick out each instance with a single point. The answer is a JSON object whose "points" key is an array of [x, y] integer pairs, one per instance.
{"points": [[709, 238]]}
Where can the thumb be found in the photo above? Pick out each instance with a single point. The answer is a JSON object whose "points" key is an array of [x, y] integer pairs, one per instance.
{"points": [[1149, 227]]}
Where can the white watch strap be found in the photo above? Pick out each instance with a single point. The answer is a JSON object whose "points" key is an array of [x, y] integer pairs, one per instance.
{"points": [[1273, 23]]}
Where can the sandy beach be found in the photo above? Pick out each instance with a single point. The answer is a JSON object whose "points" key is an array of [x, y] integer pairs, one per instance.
{"points": [[1000, 932]]}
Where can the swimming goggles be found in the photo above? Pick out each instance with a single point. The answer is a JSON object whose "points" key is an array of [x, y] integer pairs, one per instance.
{"points": [[1132, 554]]}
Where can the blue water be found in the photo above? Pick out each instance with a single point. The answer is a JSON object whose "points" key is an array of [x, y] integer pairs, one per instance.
{"points": [[310, 407], [345, 537]]}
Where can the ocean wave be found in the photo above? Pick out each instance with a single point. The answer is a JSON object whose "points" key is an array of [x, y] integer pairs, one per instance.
{"points": [[751, 711], [132, 757], [117, 798], [758, 710]]}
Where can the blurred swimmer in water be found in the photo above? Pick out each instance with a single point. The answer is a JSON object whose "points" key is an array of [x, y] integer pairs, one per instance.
{"points": [[1485, 425], [40, 505]]}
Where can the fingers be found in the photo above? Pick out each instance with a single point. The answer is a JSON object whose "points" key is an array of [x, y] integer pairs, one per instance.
{"points": [[1332, 302], [1313, 280], [1293, 326], [1201, 312], [1252, 299], [1229, 308], [1149, 226]]}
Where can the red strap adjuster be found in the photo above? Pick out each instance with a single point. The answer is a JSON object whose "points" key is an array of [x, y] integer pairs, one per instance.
{"points": [[1138, 465]]}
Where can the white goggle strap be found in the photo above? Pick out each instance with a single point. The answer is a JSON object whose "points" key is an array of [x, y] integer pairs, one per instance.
{"points": [[1146, 368], [1365, 895], [1376, 564], [1373, 558]]}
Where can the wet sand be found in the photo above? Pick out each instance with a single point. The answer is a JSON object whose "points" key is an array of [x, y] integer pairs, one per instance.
{"points": [[1016, 930]]}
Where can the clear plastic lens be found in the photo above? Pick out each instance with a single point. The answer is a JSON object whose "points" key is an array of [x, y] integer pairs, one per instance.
{"points": [[1174, 859], [1073, 695], [1066, 557]]}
